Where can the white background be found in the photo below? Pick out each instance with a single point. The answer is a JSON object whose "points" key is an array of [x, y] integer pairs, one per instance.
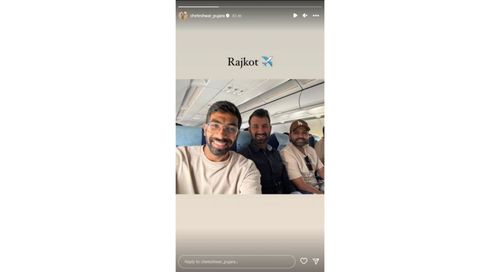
{"points": [[86, 107]]}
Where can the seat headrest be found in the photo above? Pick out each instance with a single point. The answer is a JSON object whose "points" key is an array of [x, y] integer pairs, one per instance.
{"points": [[243, 140], [312, 141], [187, 136], [281, 140], [273, 141]]}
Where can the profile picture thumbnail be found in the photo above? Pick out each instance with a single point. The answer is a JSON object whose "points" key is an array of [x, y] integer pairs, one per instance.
{"points": [[183, 15]]}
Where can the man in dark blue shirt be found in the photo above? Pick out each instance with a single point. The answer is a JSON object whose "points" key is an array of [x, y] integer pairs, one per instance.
{"points": [[274, 178]]}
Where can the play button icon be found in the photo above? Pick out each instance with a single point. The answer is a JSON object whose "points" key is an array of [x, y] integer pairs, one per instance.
{"points": [[294, 15]]}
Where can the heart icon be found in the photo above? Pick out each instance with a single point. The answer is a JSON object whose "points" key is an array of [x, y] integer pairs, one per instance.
{"points": [[303, 260]]}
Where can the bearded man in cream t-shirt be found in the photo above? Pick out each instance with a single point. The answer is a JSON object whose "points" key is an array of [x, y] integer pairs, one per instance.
{"points": [[213, 168], [301, 160]]}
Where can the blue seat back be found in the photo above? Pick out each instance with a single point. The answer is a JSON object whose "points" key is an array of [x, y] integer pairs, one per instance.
{"points": [[312, 141], [273, 141], [187, 136], [278, 140], [243, 140]]}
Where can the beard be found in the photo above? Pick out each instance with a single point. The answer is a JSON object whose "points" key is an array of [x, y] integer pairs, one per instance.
{"points": [[219, 147], [299, 142], [261, 138]]}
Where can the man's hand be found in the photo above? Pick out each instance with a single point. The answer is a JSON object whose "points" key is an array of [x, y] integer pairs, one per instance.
{"points": [[303, 186]]}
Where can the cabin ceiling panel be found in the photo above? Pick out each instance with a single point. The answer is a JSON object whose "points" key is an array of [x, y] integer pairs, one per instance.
{"points": [[281, 97], [181, 88]]}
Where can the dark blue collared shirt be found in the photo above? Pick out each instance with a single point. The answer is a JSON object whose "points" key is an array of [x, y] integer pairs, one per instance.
{"points": [[273, 176]]}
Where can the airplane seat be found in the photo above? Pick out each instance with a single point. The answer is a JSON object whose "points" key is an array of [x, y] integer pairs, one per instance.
{"points": [[282, 140], [272, 141], [312, 141], [187, 136], [243, 140]]}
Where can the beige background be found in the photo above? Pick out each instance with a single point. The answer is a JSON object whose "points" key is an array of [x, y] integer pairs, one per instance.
{"points": [[252, 224], [297, 52]]}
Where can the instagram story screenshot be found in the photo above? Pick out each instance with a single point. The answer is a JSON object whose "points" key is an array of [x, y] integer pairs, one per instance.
{"points": [[250, 115]]}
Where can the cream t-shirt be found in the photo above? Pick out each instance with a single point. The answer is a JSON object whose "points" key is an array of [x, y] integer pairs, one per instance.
{"points": [[296, 165], [196, 174]]}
